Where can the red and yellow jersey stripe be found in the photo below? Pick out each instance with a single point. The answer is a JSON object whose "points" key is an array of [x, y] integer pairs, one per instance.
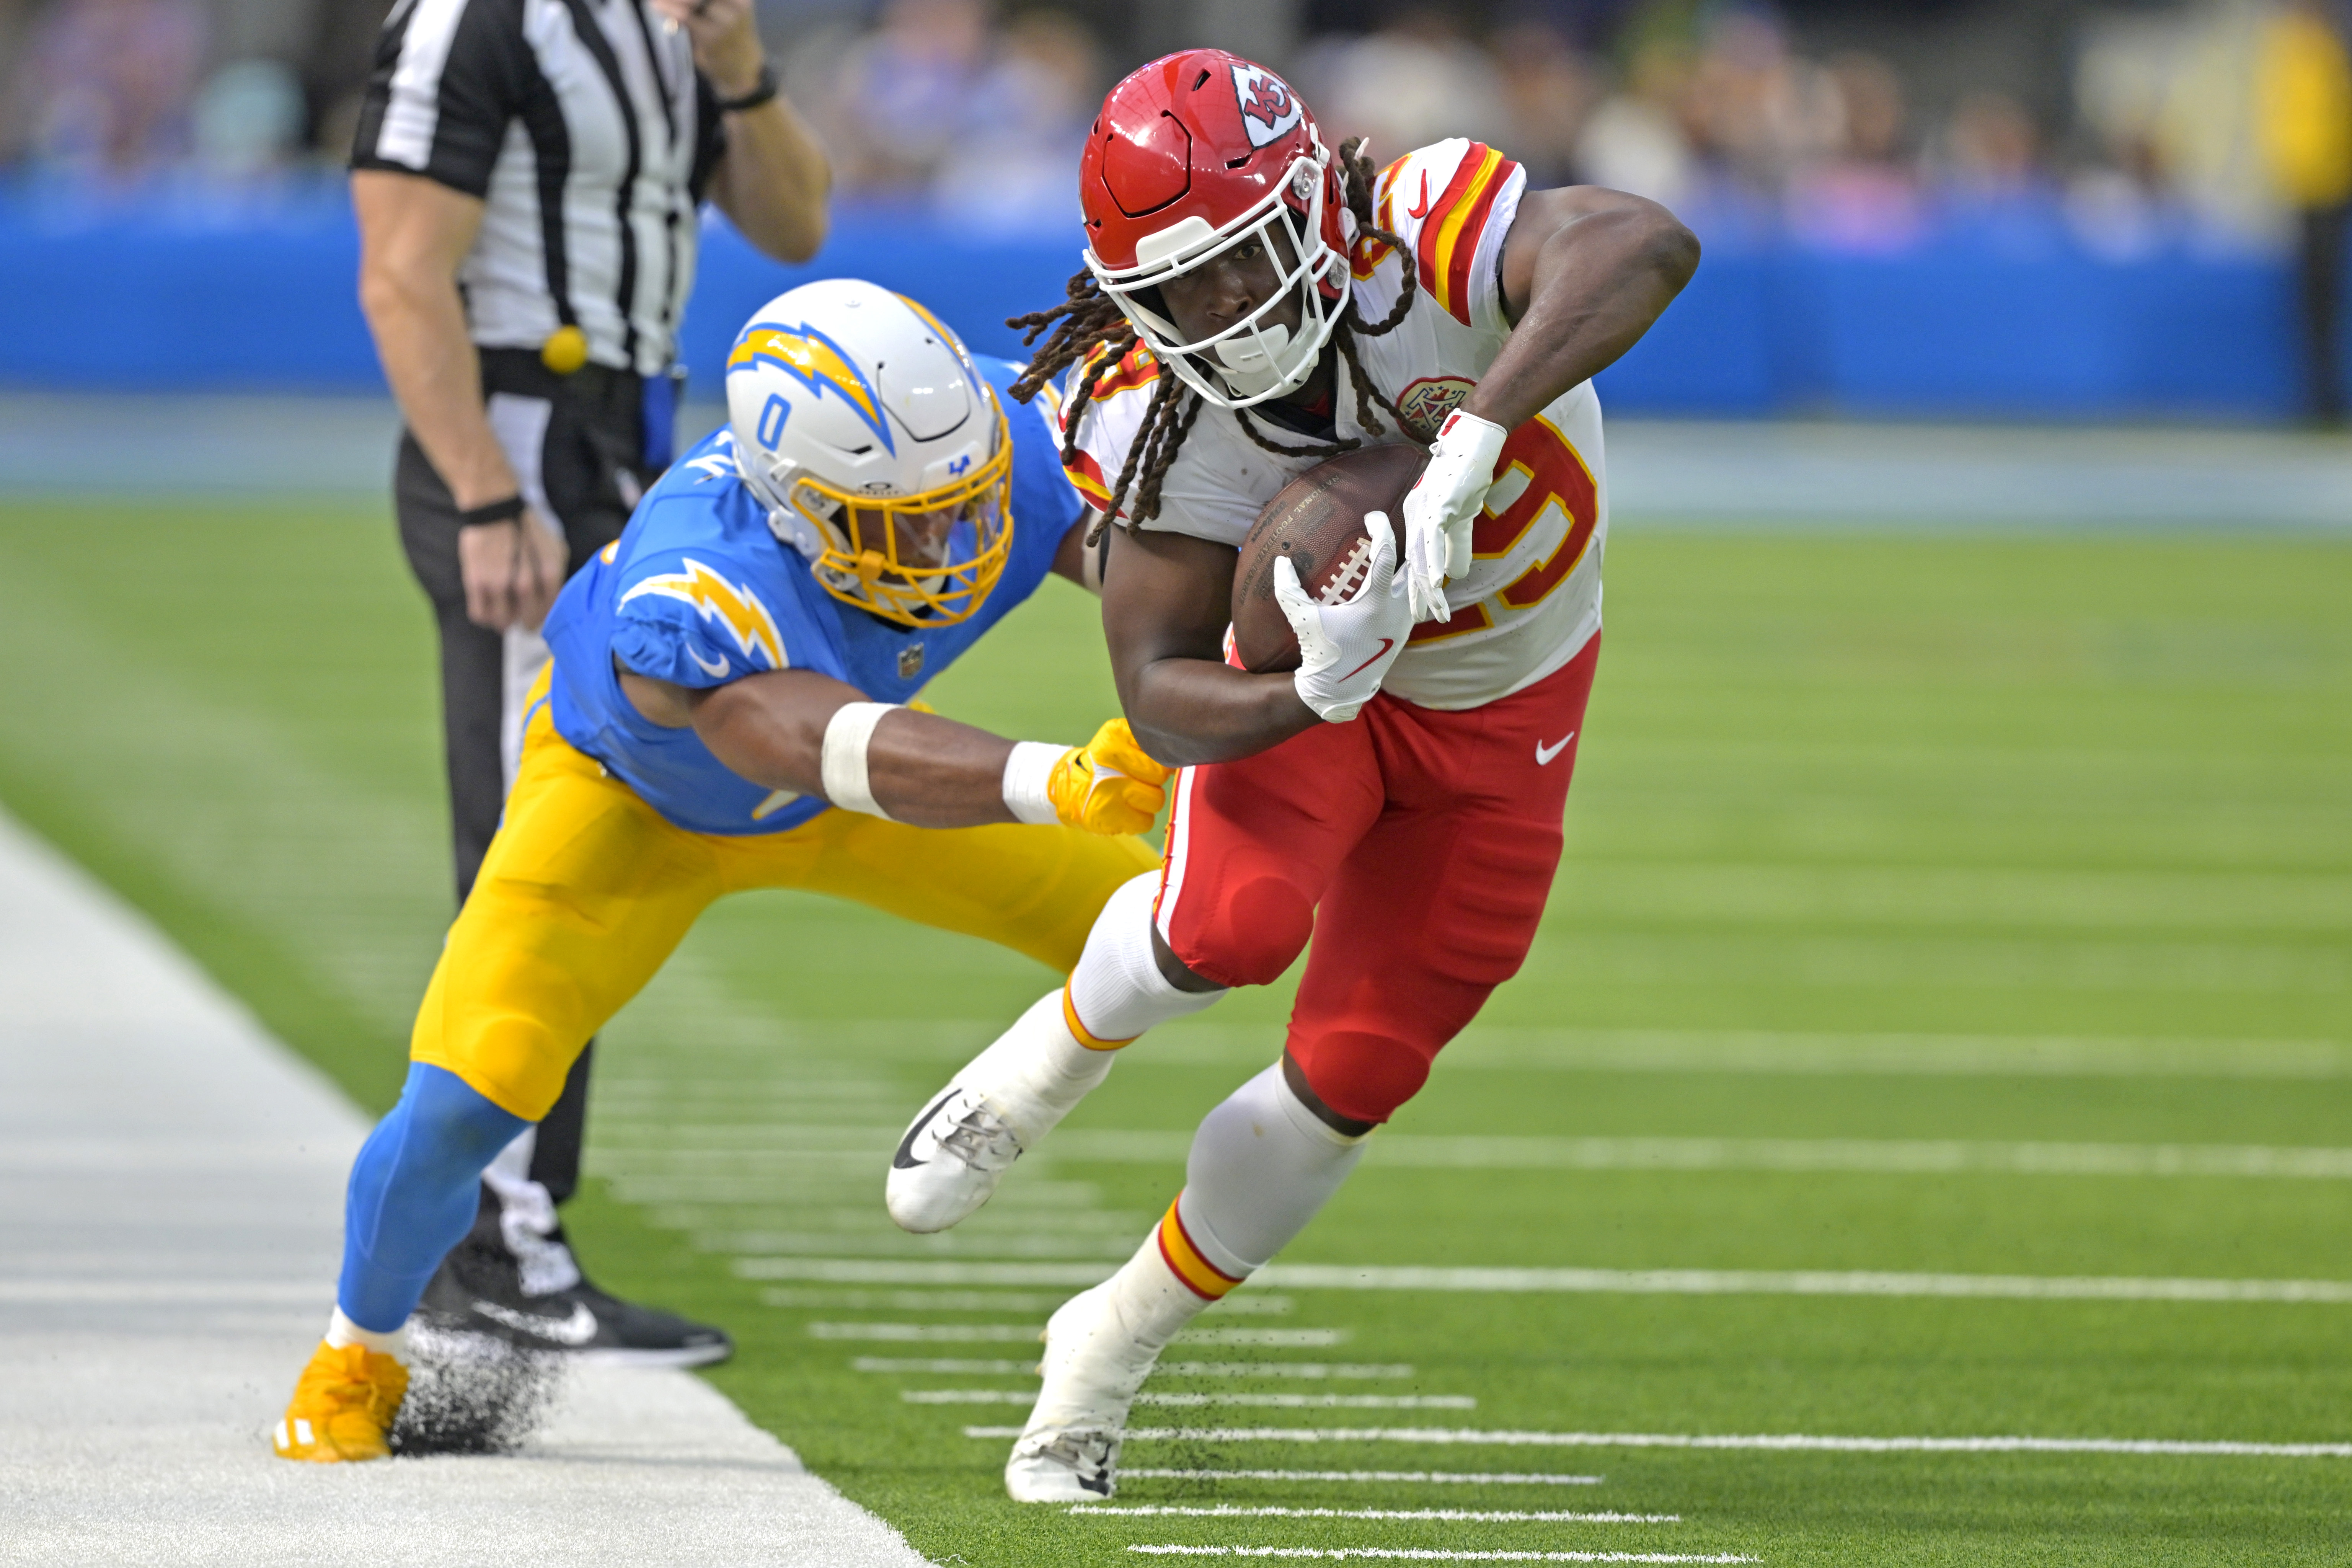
{"points": [[1453, 223], [1368, 252], [1136, 367], [1086, 476], [1199, 1276]]}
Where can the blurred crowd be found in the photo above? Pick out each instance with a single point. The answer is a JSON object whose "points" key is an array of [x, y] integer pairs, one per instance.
{"points": [[2172, 125]]}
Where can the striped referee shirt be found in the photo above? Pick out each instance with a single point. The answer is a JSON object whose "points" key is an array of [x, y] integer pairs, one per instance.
{"points": [[589, 135]]}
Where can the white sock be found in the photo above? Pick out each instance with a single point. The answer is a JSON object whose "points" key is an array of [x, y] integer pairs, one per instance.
{"points": [[1262, 1166], [341, 1332], [1040, 1068], [1149, 1303], [1036, 1072], [1117, 992]]}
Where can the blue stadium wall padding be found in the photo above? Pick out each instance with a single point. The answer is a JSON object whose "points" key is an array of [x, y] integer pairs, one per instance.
{"points": [[168, 296]]}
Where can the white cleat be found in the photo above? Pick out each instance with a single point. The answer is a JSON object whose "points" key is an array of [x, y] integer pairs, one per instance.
{"points": [[1094, 1365], [950, 1162]]}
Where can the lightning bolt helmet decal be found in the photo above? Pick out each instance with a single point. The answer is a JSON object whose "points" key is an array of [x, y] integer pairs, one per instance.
{"points": [[817, 362]]}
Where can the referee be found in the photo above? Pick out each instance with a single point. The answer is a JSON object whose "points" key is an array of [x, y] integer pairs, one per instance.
{"points": [[528, 176]]}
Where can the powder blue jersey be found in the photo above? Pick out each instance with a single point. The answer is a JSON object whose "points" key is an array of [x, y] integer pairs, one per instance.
{"points": [[698, 591]]}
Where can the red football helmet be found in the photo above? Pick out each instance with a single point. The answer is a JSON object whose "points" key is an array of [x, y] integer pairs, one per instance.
{"points": [[1192, 154]]}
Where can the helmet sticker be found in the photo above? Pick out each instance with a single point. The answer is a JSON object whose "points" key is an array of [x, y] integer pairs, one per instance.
{"points": [[1268, 106]]}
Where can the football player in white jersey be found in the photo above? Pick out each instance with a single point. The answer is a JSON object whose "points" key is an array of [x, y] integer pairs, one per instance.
{"points": [[1252, 306]]}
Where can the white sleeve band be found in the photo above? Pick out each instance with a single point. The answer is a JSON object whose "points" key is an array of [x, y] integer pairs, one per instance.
{"points": [[843, 761], [1026, 773]]}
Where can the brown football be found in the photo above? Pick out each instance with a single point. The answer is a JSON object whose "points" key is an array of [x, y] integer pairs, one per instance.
{"points": [[1317, 521]]}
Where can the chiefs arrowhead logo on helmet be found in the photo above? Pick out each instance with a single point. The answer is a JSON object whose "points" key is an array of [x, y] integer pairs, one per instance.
{"points": [[1175, 174], [1268, 106]]}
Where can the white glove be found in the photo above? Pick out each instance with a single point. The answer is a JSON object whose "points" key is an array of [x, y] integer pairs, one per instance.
{"points": [[1443, 505], [1346, 645]]}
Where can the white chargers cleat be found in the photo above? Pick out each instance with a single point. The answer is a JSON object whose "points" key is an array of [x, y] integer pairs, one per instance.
{"points": [[950, 1162]]}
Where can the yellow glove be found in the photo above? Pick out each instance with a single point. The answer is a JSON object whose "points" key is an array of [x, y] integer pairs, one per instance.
{"points": [[1110, 784]]}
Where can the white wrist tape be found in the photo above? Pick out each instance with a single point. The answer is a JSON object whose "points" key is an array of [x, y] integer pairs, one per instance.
{"points": [[843, 761], [1027, 772]]}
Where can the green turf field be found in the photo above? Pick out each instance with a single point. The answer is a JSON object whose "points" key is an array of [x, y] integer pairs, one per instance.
{"points": [[1950, 961]]}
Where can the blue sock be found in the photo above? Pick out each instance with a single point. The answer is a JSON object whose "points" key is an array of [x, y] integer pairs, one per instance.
{"points": [[414, 1190]]}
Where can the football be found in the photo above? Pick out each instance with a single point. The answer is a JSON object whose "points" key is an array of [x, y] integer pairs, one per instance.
{"points": [[1317, 520]]}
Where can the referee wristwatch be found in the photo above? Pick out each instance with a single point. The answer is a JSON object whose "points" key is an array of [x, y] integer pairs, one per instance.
{"points": [[760, 91]]}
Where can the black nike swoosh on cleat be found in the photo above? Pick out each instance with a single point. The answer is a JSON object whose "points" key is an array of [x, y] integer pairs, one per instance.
{"points": [[900, 1161]]}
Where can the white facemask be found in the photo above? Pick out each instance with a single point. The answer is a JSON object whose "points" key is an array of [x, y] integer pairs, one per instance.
{"points": [[1252, 365]]}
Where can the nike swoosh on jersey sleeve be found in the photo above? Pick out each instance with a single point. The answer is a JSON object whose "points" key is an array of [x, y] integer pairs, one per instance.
{"points": [[1443, 201]]}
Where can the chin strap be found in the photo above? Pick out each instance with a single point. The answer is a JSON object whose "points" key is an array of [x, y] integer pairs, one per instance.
{"points": [[790, 527]]}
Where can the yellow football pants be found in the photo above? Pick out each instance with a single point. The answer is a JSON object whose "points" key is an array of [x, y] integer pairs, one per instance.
{"points": [[586, 890]]}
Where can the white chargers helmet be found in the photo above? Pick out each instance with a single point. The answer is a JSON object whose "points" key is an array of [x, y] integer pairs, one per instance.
{"points": [[877, 447]]}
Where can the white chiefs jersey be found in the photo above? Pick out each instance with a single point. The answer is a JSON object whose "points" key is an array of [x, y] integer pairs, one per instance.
{"points": [[1532, 598]]}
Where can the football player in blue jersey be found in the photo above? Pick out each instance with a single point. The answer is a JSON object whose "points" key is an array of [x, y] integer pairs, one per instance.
{"points": [[725, 712]]}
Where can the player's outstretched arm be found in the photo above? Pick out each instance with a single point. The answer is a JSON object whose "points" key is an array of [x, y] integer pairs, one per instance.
{"points": [[1166, 598], [800, 730]]}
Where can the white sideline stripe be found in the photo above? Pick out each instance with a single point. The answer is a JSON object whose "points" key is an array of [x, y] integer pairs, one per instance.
{"points": [[1312, 1369], [1806, 1282], [1031, 1334], [1433, 1555], [1242, 1511], [1198, 1401], [109, 1034], [1886, 1156], [1683, 1440], [1382, 1478]]}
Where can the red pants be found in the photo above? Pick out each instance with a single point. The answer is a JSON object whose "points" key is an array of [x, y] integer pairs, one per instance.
{"points": [[1415, 845]]}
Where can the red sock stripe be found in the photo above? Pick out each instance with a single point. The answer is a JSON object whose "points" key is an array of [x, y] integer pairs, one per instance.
{"points": [[1199, 1276]]}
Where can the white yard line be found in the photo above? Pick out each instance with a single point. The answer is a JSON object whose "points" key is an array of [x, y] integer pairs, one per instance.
{"points": [[1886, 1156], [1559, 1281], [878, 1272], [1032, 1334], [1306, 1370], [1369, 1478], [1228, 1401], [1802, 1282], [1496, 1515], [1256, 1304], [170, 1213], [1784, 1442], [723, 1175], [1435, 1554], [1507, 1048]]}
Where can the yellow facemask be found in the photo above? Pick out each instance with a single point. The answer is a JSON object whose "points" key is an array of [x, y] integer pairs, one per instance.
{"points": [[863, 563]]}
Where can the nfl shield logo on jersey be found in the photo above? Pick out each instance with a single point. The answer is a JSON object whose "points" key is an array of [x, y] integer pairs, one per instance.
{"points": [[910, 661], [1268, 106]]}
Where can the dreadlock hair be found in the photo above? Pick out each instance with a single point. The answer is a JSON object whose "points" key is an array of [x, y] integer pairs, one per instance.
{"points": [[1088, 327]]}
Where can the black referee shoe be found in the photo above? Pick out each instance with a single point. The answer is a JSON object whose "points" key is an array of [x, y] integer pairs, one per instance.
{"points": [[479, 1289]]}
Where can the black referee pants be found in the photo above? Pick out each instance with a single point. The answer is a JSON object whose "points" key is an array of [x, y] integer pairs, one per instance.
{"points": [[577, 446]]}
